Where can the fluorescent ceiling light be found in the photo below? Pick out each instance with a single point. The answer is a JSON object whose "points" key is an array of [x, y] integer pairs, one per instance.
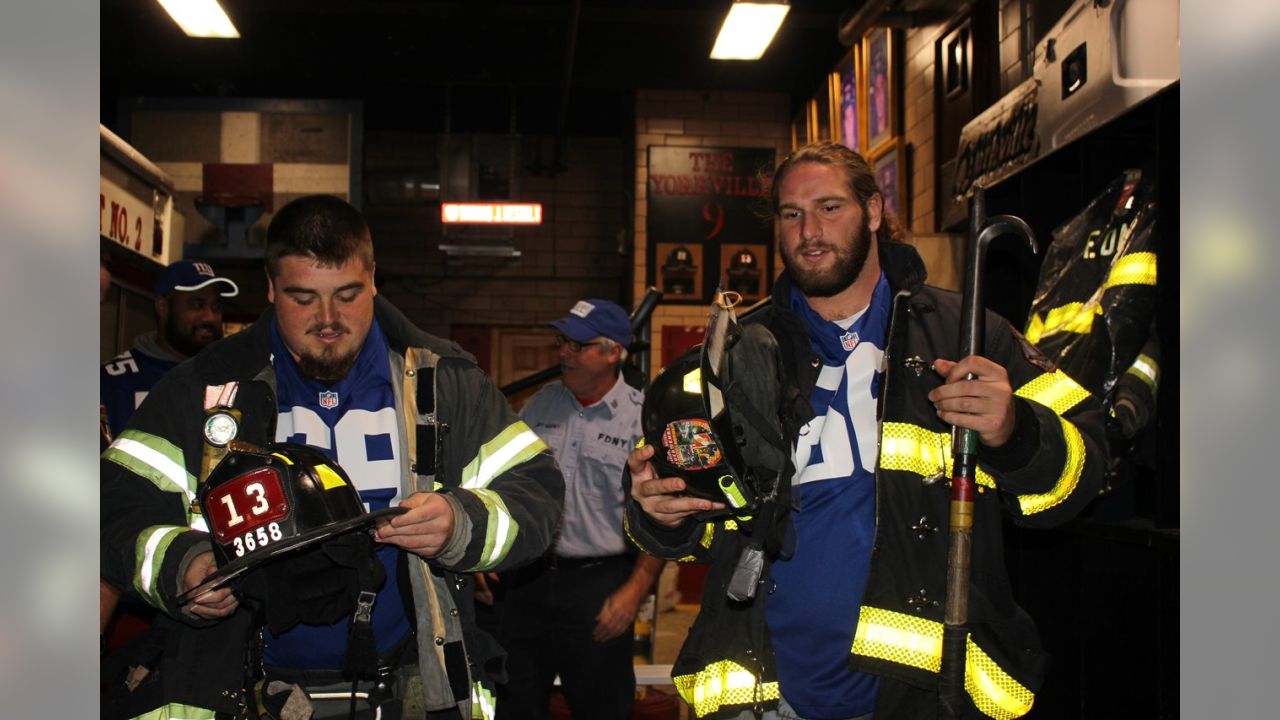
{"points": [[748, 29], [491, 213], [200, 18]]}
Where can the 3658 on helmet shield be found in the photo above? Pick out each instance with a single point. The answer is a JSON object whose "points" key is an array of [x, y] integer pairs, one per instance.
{"points": [[265, 503]]}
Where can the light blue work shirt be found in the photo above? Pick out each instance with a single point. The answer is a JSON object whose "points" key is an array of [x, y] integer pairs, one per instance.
{"points": [[591, 444]]}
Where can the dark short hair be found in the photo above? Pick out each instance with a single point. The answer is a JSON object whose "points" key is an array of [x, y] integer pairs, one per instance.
{"points": [[323, 227], [862, 180]]}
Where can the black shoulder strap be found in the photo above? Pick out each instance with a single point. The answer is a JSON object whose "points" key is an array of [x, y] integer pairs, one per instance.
{"points": [[427, 430], [361, 658]]}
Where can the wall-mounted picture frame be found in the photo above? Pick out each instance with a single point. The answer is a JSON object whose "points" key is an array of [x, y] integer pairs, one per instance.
{"points": [[890, 166], [800, 128], [822, 112], [833, 105], [811, 119], [878, 47], [703, 206], [847, 90]]}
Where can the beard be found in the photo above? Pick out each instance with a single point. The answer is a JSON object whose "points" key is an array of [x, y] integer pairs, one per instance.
{"points": [[849, 261], [328, 366], [184, 341]]}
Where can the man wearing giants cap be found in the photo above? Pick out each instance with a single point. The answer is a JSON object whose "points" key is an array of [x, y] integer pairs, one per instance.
{"points": [[572, 613], [188, 309]]}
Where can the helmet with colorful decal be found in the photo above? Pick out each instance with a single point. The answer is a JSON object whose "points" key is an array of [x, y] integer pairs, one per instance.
{"points": [[266, 503], [677, 423]]}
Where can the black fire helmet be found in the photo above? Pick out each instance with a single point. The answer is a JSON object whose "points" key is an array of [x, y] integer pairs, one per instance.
{"points": [[678, 425], [264, 504]]}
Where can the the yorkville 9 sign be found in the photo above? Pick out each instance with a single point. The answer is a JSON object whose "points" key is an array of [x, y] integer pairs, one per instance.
{"points": [[706, 222]]}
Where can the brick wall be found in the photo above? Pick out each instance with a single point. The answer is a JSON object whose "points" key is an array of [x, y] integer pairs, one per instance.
{"points": [[919, 126], [578, 251], [696, 119], [1010, 32]]}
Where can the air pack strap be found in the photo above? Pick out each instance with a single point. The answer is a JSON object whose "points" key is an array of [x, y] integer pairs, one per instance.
{"points": [[428, 428]]}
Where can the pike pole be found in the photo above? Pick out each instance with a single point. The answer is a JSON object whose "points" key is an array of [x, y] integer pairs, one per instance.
{"points": [[964, 451]]}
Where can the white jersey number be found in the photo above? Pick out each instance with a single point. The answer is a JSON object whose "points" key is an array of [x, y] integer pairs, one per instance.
{"points": [[831, 431], [349, 441]]}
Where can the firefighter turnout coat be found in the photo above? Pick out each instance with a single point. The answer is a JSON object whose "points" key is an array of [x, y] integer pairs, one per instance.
{"points": [[457, 436], [1044, 475]]}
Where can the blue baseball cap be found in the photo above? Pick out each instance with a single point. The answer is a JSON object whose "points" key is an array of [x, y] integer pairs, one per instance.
{"points": [[590, 319], [191, 275]]}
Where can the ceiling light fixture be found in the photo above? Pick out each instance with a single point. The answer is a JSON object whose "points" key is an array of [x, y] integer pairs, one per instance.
{"points": [[748, 29], [200, 18]]}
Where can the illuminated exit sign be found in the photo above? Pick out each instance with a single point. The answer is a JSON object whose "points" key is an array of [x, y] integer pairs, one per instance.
{"points": [[491, 213]]}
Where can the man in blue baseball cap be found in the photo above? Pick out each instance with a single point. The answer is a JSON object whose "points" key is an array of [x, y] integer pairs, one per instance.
{"points": [[188, 310], [593, 341], [572, 613]]}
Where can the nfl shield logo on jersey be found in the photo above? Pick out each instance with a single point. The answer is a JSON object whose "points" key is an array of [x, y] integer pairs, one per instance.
{"points": [[328, 399], [849, 340]]}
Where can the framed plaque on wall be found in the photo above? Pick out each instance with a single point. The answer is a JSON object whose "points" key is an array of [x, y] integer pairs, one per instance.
{"points": [[707, 204], [882, 115]]}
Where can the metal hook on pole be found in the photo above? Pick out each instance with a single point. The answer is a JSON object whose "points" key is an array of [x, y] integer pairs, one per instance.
{"points": [[964, 452]]}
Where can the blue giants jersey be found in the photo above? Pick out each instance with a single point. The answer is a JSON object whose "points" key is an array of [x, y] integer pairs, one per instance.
{"points": [[812, 610], [353, 422], [125, 380]]}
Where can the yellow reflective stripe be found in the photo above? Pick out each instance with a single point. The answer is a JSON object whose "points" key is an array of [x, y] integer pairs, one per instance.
{"points": [[1073, 317], [1132, 269], [514, 445], [484, 706], [155, 459], [899, 638], [915, 642], [499, 533], [149, 550], [720, 684], [175, 711], [1072, 469], [1059, 393], [329, 477], [708, 533], [992, 690], [1035, 328], [1147, 369], [916, 449], [1055, 390]]}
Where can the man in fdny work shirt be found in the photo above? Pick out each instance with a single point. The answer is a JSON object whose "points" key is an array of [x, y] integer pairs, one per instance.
{"points": [[573, 614]]}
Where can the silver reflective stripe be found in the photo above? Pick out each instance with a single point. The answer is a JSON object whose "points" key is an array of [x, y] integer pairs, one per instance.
{"points": [[514, 445], [500, 530], [483, 703], [152, 544], [1145, 367], [139, 452], [174, 711]]}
